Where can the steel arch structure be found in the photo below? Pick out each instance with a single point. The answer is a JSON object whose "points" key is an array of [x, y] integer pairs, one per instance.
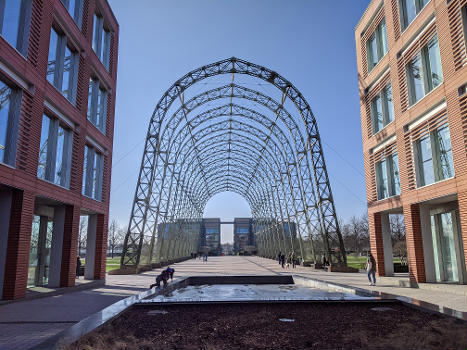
{"points": [[232, 138]]}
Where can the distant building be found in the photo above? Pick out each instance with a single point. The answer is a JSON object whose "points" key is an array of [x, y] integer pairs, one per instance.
{"points": [[211, 236], [243, 236]]}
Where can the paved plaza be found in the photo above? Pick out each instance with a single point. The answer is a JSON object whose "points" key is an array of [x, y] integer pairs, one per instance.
{"points": [[27, 323]]}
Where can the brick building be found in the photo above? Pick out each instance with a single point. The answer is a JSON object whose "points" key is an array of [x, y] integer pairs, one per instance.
{"points": [[58, 70], [412, 68]]}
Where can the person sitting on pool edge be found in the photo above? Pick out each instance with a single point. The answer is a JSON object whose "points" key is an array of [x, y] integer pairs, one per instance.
{"points": [[170, 272], [163, 276]]}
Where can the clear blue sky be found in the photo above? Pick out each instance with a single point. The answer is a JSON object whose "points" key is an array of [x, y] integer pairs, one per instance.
{"points": [[311, 43]]}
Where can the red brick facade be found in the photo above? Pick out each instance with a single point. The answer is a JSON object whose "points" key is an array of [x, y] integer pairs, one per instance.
{"points": [[28, 75], [438, 17]]}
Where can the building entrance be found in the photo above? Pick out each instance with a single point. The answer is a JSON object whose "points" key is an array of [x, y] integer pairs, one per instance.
{"points": [[39, 253], [447, 246]]}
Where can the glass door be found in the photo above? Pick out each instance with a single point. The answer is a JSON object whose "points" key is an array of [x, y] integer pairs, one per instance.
{"points": [[446, 246], [39, 253]]}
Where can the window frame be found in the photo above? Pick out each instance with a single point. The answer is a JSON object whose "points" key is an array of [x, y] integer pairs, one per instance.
{"points": [[95, 87], [419, 6], [88, 178], [77, 11], [382, 95], [99, 30], [24, 25], [51, 155], [13, 120], [426, 77], [391, 176], [436, 163], [381, 50], [62, 44]]}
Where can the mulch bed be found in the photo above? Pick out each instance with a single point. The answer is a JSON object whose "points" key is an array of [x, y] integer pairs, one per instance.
{"points": [[257, 326]]}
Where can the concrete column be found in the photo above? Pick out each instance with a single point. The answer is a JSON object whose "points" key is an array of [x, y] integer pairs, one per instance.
{"points": [[5, 207], [19, 241], [387, 245], [90, 248], [56, 247], [414, 243], [376, 242]]}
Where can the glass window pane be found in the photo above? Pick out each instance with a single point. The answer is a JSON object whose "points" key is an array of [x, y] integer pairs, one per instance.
{"points": [[43, 149], [60, 166], [95, 176], [90, 113], [425, 161], [372, 52], [446, 170], [395, 175], [382, 179], [383, 38], [5, 94], [435, 62], [85, 169], [408, 12], [52, 56], [67, 73], [387, 95], [11, 19], [106, 49], [377, 111], [101, 101], [415, 79], [95, 35]]}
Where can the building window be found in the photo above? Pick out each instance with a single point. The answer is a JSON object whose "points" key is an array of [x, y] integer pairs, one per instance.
{"points": [[377, 45], [382, 109], [92, 173], [55, 152], [434, 157], [101, 40], [74, 7], [62, 66], [409, 9], [10, 102], [97, 104], [464, 22], [14, 17], [424, 71], [387, 177]]}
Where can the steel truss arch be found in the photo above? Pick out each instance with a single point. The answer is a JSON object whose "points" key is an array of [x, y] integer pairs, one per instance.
{"points": [[274, 160]]}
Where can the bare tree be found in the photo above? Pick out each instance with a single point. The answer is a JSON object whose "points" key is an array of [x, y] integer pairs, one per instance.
{"points": [[364, 232], [355, 231], [113, 236], [396, 222], [82, 233]]}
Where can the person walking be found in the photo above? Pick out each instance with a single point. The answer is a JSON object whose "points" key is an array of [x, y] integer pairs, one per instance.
{"points": [[279, 257], [371, 269], [282, 260], [78, 266], [292, 259], [324, 262]]}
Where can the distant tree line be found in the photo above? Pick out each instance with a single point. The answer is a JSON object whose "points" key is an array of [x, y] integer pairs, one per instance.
{"points": [[356, 235]]}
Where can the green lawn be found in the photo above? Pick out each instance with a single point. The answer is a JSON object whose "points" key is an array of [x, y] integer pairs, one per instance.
{"points": [[113, 263], [359, 262]]}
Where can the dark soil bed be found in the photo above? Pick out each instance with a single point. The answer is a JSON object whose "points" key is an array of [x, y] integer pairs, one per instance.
{"points": [[258, 326]]}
